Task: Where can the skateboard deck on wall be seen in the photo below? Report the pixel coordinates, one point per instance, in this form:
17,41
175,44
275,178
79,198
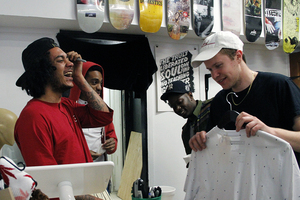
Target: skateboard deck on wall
90,15
151,13
178,18
231,16
203,17
290,25
252,19
272,24
121,13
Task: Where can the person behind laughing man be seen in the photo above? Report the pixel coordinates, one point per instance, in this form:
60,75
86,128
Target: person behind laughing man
266,101
101,140
49,128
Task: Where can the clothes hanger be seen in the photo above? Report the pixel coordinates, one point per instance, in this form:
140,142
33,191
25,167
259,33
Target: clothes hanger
230,115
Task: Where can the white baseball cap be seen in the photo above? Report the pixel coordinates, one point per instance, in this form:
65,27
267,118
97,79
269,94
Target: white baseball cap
214,43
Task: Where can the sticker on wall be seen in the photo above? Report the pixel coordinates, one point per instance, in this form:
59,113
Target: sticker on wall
290,25
272,24
252,19
178,18
231,16
203,17
121,13
151,14
90,15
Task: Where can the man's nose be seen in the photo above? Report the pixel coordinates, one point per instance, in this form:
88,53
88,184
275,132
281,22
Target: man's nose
99,87
69,63
214,74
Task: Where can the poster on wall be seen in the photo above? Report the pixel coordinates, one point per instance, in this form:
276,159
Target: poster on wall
174,63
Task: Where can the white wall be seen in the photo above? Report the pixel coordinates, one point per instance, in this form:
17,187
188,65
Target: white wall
166,166
36,8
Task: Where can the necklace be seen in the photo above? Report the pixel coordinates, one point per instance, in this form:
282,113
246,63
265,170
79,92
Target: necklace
236,104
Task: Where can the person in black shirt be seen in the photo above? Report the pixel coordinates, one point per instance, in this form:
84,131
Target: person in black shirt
266,101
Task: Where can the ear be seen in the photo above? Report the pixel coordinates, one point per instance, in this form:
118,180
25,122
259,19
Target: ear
239,56
190,94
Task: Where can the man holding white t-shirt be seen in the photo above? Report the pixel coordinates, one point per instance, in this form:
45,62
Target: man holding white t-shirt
269,107
266,101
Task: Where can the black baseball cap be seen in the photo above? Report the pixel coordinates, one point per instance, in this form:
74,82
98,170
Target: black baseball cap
32,54
178,87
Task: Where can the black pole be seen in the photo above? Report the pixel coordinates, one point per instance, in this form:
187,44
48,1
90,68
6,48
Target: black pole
206,76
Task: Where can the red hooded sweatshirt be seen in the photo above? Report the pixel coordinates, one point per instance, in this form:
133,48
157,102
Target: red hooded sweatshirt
75,94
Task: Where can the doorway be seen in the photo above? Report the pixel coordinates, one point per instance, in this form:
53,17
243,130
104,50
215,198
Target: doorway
130,114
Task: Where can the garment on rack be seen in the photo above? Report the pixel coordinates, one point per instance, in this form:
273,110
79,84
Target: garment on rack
236,167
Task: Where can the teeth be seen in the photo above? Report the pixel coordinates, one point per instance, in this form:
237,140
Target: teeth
68,74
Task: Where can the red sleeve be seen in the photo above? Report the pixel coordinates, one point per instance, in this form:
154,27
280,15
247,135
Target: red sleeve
100,118
35,133
89,117
110,133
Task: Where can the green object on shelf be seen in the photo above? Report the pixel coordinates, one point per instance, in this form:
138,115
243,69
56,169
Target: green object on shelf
155,198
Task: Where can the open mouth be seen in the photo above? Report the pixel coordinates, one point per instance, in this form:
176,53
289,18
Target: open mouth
68,74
